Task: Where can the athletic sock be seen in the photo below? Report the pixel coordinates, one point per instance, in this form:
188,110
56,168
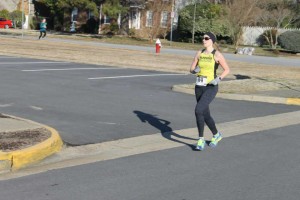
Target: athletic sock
217,135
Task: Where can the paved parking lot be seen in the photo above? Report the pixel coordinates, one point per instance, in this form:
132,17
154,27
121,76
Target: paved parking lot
92,104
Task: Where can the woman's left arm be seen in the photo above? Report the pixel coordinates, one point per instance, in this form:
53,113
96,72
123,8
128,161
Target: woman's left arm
221,60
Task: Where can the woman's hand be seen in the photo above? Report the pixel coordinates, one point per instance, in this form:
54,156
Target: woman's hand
196,70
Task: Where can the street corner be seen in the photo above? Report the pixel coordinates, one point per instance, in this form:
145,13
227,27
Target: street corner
12,160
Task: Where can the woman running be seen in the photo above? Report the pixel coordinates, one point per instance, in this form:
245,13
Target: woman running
205,66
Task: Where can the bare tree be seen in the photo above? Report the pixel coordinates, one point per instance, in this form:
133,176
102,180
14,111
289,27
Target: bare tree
277,14
156,7
240,13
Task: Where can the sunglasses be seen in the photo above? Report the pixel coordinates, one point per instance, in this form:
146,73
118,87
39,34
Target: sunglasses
206,38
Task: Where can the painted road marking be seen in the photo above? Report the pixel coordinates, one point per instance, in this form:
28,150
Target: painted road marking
6,105
13,63
108,123
66,69
134,76
36,108
74,156
293,101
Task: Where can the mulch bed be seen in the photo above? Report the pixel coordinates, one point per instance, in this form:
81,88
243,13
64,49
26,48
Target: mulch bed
12,141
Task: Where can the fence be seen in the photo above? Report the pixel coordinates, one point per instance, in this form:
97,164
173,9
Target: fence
251,34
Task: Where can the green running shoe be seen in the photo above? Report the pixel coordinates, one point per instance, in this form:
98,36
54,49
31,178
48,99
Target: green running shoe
200,145
215,139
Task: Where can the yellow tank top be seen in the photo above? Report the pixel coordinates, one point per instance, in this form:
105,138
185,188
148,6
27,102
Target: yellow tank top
208,65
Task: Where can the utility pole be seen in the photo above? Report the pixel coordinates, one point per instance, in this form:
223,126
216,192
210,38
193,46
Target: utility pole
22,19
194,20
172,21
194,16
29,11
100,18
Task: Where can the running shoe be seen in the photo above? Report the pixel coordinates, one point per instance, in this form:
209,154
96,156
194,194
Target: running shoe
215,139
200,145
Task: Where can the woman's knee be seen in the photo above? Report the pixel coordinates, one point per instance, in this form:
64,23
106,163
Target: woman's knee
199,110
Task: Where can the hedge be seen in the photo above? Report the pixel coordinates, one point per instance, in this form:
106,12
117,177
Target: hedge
290,40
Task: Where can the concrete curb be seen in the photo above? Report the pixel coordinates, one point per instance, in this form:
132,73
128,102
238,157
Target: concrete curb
14,160
243,97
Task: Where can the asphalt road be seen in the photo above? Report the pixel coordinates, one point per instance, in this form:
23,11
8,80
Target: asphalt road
261,165
92,104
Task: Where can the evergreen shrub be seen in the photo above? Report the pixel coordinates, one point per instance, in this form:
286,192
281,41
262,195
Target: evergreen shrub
290,40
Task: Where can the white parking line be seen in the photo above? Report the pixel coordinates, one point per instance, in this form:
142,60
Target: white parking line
65,69
6,105
133,76
13,63
36,108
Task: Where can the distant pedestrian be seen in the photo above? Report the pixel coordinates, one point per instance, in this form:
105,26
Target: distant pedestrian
43,27
205,66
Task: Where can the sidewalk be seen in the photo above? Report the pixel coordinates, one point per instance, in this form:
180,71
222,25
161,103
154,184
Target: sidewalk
27,144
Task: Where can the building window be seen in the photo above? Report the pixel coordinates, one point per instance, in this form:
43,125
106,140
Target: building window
91,14
106,19
74,14
164,19
134,19
149,20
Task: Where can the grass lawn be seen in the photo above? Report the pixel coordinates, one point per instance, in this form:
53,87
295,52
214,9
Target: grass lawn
225,48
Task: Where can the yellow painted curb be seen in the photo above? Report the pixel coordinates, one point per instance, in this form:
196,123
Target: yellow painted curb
293,101
15,160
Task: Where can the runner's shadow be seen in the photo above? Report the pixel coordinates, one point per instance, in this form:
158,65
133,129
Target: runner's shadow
241,77
164,128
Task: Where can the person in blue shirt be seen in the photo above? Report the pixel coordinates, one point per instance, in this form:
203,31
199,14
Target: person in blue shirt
43,27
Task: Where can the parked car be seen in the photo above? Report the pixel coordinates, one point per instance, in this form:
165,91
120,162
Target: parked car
5,23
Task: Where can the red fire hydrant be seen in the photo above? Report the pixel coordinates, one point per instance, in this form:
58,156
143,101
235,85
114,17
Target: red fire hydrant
157,46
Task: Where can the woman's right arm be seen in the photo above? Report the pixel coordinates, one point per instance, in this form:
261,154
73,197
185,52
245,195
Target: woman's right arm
195,62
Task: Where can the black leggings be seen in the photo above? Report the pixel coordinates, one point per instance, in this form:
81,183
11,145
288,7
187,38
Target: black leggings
41,32
204,96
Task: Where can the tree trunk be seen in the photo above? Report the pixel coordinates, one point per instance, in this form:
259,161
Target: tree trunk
267,38
237,38
100,18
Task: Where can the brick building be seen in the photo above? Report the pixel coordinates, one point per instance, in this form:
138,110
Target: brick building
151,19
148,20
